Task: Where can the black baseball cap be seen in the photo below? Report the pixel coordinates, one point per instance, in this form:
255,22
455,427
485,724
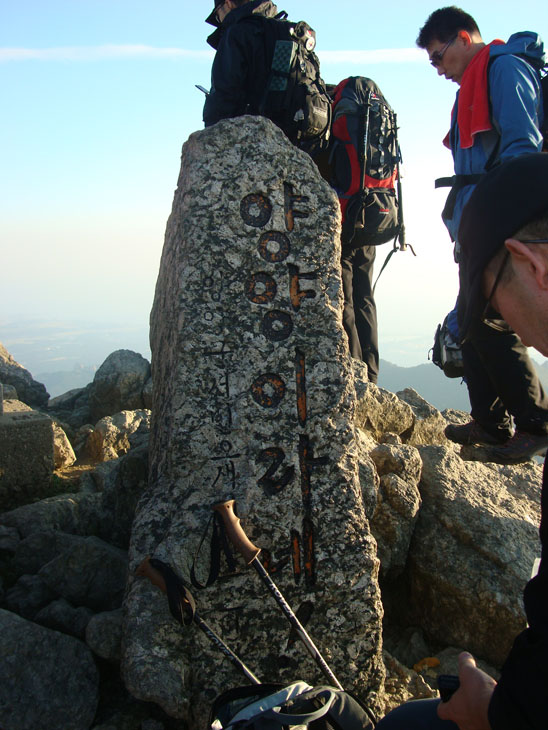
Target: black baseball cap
212,17
504,200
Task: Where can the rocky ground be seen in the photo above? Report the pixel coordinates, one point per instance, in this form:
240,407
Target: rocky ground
447,529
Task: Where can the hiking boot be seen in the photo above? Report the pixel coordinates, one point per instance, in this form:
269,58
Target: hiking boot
521,447
470,433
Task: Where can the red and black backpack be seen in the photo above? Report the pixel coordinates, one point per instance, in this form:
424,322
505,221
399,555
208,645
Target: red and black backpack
364,164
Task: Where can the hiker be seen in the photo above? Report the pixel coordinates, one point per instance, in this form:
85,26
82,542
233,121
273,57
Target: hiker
363,170
240,69
265,65
504,256
360,310
497,116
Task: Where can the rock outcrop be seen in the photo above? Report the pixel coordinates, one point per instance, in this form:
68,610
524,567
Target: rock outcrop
473,550
27,389
26,454
351,491
118,385
55,670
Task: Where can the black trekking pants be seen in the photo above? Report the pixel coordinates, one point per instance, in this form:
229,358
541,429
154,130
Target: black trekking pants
502,382
416,715
360,311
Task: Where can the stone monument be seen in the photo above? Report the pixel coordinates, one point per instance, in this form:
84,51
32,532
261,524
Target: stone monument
254,400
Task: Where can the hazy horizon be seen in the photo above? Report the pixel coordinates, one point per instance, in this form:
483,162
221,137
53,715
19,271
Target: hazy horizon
99,98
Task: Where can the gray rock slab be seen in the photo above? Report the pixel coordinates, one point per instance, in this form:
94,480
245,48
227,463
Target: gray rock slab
29,594
60,615
91,573
254,399
48,680
26,456
473,549
104,634
118,384
12,373
74,513
429,423
40,548
379,411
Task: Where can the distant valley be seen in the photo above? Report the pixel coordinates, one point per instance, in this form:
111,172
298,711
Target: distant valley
65,355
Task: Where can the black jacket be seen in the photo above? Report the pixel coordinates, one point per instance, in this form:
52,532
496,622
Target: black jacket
242,63
519,701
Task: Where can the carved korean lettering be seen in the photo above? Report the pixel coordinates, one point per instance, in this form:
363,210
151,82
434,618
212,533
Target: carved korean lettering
268,481
256,210
277,326
296,293
222,351
296,555
307,463
289,202
300,378
309,553
268,390
261,288
268,562
274,247
226,473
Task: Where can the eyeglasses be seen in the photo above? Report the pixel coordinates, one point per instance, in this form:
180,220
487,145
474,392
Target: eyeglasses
489,314
437,56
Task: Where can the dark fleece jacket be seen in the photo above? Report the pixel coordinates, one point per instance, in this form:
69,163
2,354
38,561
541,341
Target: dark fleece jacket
242,63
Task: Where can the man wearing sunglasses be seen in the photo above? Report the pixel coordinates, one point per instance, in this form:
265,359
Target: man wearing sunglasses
497,116
504,258
242,61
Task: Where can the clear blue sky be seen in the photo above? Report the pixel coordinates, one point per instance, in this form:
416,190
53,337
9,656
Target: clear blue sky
98,97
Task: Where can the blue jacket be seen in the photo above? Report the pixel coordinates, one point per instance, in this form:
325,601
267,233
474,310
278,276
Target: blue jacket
516,113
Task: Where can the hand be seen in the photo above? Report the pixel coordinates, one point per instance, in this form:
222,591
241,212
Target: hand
467,708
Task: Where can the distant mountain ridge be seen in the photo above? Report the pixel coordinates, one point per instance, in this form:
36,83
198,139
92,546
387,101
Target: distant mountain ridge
434,386
65,355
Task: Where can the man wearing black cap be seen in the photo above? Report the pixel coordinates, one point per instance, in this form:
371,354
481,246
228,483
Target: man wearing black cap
504,239
243,58
497,116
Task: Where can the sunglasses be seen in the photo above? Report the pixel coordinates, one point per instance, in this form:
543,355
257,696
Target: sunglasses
437,56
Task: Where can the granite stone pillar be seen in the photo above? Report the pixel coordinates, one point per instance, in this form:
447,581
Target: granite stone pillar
254,400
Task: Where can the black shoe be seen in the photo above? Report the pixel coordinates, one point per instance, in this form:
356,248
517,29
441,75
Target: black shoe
521,447
470,433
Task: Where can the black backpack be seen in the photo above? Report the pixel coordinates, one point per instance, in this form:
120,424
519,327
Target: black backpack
296,99
446,351
318,708
364,164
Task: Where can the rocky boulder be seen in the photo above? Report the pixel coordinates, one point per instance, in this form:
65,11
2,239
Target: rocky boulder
118,384
48,680
473,550
110,437
28,390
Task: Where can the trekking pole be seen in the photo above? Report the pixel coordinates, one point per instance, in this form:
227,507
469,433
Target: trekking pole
250,554
183,608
